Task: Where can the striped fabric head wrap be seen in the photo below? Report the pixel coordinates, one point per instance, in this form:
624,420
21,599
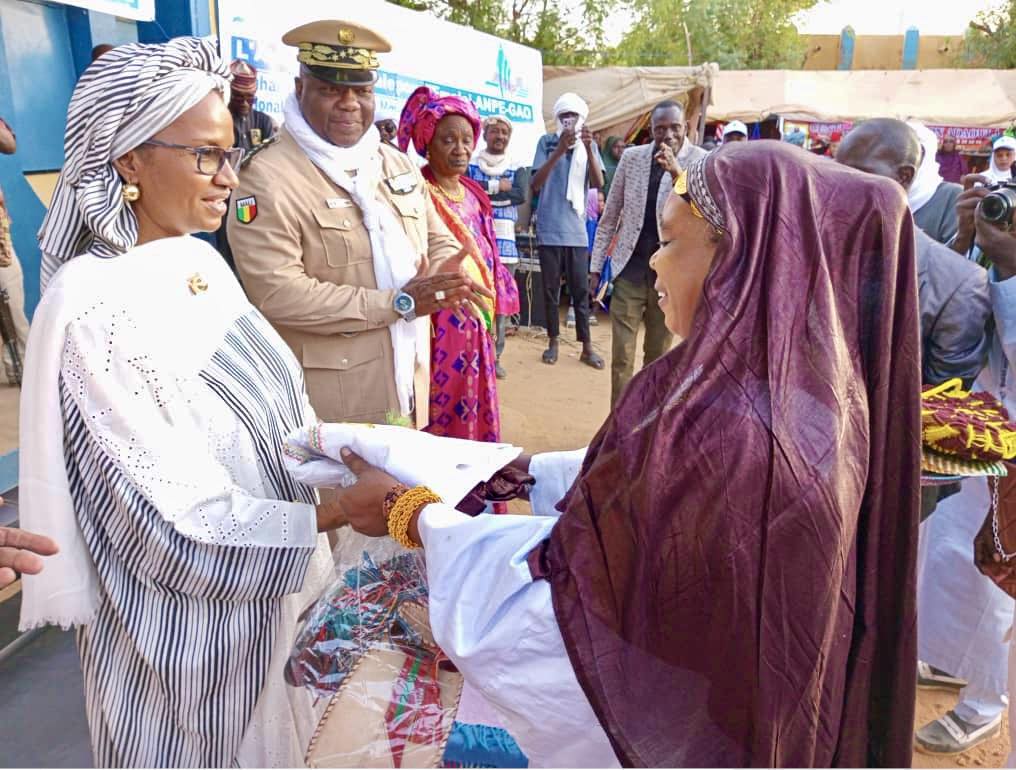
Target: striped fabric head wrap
123,99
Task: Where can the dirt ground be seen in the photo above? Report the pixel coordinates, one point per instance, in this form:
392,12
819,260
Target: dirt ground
546,408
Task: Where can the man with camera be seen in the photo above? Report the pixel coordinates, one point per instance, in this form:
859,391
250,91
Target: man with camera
964,620
566,165
990,211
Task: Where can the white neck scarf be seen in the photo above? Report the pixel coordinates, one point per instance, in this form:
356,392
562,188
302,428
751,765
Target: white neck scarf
927,179
395,260
580,158
491,164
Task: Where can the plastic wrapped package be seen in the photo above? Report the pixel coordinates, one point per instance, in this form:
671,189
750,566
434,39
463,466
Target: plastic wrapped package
393,695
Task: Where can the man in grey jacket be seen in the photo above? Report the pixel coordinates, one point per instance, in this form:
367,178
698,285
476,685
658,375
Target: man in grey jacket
642,182
953,291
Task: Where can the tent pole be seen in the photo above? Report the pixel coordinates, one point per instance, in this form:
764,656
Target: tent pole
706,95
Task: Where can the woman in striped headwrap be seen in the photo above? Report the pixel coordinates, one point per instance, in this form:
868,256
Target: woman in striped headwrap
155,404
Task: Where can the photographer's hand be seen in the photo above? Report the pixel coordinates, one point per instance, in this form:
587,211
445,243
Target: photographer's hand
966,206
998,245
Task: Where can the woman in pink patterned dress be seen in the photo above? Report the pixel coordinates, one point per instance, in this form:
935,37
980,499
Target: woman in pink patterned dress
463,391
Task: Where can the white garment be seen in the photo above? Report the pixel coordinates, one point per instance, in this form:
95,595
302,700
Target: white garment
193,491
491,164
451,467
196,542
927,179
963,618
1001,174
395,261
577,171
499,628
555,472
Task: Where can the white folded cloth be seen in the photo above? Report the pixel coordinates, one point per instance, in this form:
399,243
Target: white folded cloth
451,467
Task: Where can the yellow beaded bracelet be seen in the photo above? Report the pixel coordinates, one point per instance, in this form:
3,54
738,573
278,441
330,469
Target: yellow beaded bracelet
408,504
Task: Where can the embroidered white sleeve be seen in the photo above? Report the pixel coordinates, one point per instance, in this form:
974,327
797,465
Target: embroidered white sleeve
157,430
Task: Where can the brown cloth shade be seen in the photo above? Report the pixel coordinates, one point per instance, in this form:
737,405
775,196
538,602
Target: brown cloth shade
734,570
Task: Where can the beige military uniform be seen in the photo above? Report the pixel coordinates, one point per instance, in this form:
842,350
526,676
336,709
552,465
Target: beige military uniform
305,260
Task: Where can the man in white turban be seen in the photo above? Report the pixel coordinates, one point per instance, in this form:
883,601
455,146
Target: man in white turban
566,165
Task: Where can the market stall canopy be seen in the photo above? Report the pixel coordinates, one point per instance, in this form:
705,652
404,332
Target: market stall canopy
939,96
620,96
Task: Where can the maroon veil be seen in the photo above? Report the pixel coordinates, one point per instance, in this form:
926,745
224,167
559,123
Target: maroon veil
734,571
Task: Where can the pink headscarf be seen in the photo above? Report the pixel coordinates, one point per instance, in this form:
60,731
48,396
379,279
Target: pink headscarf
422,113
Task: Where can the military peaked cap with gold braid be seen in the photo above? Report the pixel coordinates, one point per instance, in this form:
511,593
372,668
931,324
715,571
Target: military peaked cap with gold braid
338,51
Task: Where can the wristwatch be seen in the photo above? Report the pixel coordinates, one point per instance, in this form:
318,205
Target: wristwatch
405,306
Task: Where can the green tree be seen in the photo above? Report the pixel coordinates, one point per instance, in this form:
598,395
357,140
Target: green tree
737,34
566,31
991,39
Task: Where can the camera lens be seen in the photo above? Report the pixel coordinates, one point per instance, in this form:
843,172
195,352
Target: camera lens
998,206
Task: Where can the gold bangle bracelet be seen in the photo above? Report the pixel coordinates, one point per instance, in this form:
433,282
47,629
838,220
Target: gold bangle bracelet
408,504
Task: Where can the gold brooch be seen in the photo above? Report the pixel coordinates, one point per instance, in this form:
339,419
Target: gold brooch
196,284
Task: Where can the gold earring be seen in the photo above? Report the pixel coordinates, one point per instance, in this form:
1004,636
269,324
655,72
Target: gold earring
131,192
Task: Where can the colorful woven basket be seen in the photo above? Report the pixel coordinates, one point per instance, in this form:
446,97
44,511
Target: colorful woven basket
965,425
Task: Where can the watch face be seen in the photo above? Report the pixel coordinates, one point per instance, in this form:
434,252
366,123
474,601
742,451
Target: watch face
403,303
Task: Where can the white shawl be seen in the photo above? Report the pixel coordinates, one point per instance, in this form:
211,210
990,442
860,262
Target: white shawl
395,260
927,179
580,158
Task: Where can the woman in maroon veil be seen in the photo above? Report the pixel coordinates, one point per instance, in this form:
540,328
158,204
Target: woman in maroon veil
730,581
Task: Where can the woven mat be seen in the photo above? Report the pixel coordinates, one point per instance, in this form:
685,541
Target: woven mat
933,462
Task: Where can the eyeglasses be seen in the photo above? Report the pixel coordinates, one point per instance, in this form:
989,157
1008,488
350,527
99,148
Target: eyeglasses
210,159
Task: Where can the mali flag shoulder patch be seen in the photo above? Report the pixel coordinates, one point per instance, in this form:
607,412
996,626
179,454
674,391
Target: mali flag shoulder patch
246,209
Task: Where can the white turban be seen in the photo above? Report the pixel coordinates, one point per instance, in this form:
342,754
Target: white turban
1001,174
927,179
123,99
569,102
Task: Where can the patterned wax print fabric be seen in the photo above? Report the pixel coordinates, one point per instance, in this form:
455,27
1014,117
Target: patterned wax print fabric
463,389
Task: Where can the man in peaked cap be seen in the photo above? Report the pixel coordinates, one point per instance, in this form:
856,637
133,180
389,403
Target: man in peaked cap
337,242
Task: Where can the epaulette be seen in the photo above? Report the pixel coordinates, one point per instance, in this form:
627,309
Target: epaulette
255,150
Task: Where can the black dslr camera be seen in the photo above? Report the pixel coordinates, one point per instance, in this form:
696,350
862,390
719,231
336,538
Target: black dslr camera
999,205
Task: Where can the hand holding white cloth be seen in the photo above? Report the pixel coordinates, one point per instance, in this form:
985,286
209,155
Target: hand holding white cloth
449,466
